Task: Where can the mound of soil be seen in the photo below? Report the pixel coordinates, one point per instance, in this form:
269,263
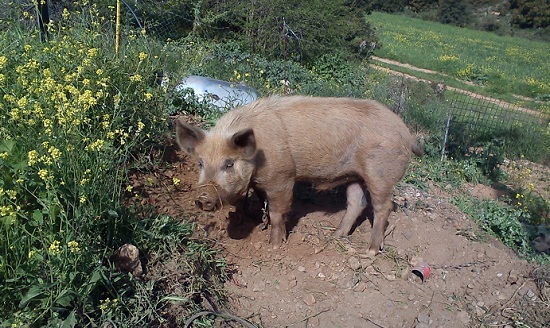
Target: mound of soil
315,280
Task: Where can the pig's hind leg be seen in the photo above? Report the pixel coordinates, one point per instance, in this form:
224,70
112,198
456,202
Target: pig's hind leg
357,202
381,205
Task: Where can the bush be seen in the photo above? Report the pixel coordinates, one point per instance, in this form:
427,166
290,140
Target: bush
73,115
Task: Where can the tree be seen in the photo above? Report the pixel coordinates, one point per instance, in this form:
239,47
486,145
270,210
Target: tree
455,12
296,29
530,13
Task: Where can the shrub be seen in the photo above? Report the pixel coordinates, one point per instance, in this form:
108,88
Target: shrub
73,115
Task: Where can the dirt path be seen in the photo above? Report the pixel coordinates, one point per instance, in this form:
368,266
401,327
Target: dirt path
468,93
315,280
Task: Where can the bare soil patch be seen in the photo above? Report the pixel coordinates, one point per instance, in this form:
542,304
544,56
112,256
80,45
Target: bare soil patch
315,280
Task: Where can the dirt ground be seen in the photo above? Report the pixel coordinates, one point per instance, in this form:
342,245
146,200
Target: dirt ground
315,280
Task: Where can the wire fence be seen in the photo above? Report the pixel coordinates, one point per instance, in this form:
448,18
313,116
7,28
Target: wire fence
480,112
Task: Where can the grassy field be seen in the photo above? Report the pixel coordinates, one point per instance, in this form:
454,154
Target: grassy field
502,65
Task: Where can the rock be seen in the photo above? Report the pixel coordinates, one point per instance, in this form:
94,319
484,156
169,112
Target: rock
463,317
258,286
354,263
309,299
360,287
513,277
301,269
126,259
423,317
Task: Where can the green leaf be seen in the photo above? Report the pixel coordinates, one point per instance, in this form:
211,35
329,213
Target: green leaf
7,145
38,218
33,292
64,298
70,321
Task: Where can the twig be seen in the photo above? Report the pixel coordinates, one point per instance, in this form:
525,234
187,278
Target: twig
374,323
224,315
314,315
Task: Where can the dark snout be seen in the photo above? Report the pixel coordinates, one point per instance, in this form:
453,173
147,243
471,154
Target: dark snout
206,202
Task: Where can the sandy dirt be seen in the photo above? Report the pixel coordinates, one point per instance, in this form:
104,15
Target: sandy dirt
315,280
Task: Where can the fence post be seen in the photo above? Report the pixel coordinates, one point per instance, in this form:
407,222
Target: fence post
43,18
444,145
117,28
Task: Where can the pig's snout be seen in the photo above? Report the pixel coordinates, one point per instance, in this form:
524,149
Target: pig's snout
206,201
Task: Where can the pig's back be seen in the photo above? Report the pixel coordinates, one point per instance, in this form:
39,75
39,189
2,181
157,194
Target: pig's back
320,137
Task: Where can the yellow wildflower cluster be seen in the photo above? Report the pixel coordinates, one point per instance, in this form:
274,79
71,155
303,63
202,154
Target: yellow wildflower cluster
73,246
107,304
55,247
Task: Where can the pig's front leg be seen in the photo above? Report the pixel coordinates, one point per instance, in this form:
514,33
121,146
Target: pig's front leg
279,206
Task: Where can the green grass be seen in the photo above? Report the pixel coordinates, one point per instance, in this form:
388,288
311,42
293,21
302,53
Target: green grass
502,65
73,117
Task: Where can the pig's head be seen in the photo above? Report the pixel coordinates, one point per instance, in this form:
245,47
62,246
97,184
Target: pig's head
226,162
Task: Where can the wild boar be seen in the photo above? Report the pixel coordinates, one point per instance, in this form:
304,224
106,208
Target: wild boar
274,142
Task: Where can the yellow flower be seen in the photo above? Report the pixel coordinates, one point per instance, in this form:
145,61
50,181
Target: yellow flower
82,199
142,56
31,254
140,126
43,174
136,78
66,14
33,157
148,96
176,181
96,145
73,246
4,155
3,61
54,153
129,188
54,248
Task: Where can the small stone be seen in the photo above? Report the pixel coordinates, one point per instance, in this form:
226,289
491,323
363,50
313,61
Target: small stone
292,283
309,299
479,311
259,286
530,294
390,277
354,263
470,286
463,317
411,297
360,287
258,245
423,317
513,277
321,275
301,269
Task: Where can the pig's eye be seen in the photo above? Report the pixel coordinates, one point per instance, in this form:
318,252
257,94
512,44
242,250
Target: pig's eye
229,164
201,164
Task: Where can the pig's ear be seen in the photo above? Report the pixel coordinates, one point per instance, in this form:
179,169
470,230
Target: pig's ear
188,136
244,141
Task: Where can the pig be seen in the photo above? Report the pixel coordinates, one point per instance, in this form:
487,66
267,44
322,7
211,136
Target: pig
274,142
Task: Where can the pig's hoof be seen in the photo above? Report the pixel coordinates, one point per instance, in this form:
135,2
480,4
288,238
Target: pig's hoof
371,253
